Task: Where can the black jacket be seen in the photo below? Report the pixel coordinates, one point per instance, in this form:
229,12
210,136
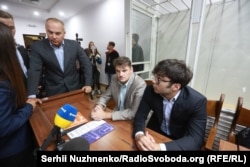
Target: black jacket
187,120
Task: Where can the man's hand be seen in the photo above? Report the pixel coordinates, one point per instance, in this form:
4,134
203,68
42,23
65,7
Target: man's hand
34,102
98,113
146,143
87,89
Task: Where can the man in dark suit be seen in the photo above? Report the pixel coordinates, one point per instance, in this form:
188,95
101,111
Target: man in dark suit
22,55
137,53
179,111
111,55
59,57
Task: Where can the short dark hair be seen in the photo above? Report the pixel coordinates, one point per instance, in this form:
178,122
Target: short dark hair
6,15
135,37
112,43
121,61
175,70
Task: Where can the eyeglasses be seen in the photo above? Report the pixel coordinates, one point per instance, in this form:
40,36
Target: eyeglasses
158,80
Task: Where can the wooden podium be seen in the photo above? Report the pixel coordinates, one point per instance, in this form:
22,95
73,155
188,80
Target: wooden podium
42,122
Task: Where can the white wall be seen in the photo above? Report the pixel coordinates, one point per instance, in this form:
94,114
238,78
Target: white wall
101,24
24,26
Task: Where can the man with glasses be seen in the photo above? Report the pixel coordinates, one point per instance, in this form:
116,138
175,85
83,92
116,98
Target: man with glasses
179,111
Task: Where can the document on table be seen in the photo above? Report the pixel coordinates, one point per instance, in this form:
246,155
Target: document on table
92,130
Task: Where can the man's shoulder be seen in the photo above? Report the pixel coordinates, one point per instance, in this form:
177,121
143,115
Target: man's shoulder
189,91
19,46
138,46
21,49
150,96
138,79
114,53
40,43
69,43
69,40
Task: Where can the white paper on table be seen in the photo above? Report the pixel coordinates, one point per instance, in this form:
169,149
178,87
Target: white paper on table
85,128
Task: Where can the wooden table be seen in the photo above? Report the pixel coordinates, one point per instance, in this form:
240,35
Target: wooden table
42,121
228,146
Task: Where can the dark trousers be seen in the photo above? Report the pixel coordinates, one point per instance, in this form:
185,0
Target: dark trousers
96,78
109,79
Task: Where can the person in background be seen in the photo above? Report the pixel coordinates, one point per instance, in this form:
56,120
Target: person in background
111,55
126,90
16,140
96,61
59,57
137,53
179,111
22,55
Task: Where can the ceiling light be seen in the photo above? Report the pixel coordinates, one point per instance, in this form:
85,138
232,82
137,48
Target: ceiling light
61,13
36,13
4,7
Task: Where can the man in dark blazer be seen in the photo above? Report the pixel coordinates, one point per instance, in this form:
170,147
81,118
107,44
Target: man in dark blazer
22,55
179,112
25,56
137,53
59,57
111,55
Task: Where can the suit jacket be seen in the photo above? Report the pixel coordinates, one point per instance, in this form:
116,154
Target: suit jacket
135,89
109,65
56,80
187,120
25,57
15,132
137,56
